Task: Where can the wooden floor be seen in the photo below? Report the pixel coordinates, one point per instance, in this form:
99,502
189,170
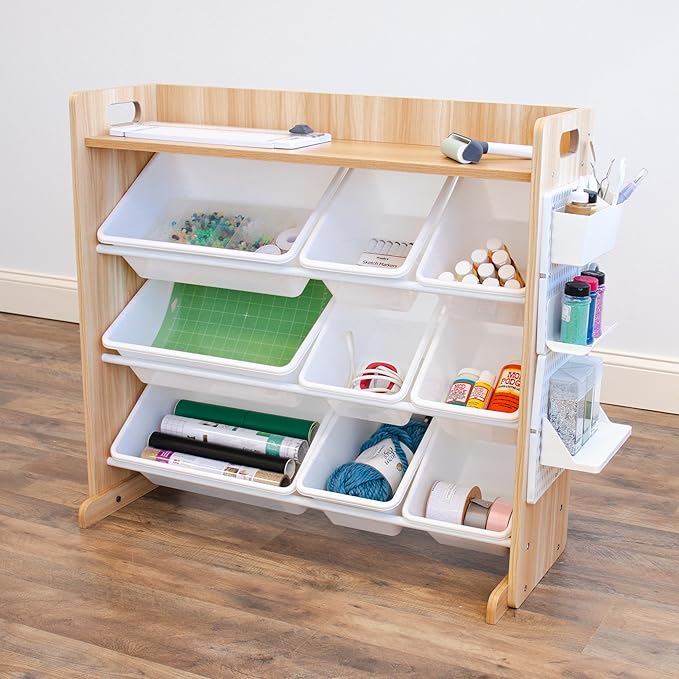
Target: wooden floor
177,585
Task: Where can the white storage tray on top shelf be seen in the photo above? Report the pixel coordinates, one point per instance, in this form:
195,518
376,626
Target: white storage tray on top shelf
132,335
338,444
277,196
156,402
579,239
373,204
468,455
478,209
470,335
396,337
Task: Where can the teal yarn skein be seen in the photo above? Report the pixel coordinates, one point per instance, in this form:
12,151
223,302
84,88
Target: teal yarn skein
362,480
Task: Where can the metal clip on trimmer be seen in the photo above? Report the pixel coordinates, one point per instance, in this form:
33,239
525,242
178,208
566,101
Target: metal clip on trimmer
465,150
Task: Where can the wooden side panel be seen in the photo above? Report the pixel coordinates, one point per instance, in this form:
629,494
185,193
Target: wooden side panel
539,531
357,117
105,283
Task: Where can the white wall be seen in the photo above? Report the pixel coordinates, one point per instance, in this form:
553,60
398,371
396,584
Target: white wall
624,62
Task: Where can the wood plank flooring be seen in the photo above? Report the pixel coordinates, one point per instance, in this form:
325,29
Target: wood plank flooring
177,585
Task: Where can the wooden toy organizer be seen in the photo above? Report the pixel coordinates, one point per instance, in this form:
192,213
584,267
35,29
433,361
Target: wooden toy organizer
369,132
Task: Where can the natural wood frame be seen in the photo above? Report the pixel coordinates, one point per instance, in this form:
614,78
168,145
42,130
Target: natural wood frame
374,132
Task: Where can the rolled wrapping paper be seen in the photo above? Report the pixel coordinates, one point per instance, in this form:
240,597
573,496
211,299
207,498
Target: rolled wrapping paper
237,471
448,502
476,515
286,239
499,515
248,419
237,438
213,452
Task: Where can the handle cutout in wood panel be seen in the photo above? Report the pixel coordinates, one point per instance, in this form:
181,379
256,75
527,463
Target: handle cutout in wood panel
569,142
123,112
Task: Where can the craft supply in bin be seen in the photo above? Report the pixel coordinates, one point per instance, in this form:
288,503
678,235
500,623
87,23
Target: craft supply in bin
220,329
249,419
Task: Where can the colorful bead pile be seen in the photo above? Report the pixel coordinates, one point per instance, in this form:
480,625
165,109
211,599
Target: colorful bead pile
216,230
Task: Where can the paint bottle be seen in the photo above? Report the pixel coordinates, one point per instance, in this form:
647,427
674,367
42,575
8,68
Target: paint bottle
462,268
479,257
493,245
598,312
579,203
491,282
486,270
500,258
506,273
505,398
593,294
482,390
462,386
575,313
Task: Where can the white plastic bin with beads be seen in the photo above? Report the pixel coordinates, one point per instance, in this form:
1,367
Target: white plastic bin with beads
277,196
338,444
396,337
468,455
156,402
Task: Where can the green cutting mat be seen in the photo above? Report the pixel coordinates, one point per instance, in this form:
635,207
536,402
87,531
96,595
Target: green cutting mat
243,326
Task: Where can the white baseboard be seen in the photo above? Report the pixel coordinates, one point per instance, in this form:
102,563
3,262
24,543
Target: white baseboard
640,381
39,295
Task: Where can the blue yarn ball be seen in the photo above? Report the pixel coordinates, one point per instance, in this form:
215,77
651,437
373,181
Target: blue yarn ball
362,480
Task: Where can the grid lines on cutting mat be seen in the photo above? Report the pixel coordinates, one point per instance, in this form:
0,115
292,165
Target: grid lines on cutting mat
237,325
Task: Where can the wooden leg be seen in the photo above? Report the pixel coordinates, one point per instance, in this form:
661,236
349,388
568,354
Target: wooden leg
100,506
497,601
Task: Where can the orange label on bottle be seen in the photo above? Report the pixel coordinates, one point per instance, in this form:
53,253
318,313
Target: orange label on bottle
508,390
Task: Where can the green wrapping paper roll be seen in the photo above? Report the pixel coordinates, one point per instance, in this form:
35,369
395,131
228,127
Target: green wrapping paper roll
248,419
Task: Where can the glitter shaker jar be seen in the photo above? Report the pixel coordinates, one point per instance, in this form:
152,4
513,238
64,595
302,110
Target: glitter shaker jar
575,313
593,294
598,312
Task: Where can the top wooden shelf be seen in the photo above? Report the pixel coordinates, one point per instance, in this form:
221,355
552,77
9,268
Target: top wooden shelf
359,154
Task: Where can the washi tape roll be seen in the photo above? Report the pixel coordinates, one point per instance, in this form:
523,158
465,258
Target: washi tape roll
448,502
499,515
476,515
249,419
286,239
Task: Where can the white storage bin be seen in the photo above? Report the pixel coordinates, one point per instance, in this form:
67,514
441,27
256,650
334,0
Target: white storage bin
339,444
132,335
478,209
579,239
285,392
472,456
483,338
395,337
372,204
157,402
173,186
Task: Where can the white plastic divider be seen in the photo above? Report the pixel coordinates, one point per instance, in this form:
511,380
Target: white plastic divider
374,204
339,444
578,239
469,335
133,332
396,337
593,456
156,402
278,196
477,210
473,455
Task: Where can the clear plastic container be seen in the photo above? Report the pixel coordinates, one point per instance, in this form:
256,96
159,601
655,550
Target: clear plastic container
571,399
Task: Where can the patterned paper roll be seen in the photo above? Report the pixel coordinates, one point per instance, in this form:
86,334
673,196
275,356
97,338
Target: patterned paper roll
202,464
499,515
249,419
448,502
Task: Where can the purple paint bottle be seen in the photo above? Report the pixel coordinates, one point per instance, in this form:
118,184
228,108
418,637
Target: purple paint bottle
598,311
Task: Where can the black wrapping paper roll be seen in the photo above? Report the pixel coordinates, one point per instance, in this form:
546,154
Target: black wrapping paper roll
213,452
